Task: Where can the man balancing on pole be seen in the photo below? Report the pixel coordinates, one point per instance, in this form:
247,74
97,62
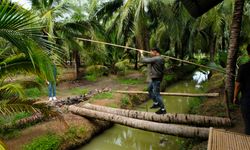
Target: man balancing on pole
156,74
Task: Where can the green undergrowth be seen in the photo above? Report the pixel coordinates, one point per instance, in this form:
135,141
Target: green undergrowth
112,105
194,144
91,77
133,100
194,105
212,106
104,95
52,141
34,93
45,142
130,81
208,107
78,91
12,132
125,101
13,118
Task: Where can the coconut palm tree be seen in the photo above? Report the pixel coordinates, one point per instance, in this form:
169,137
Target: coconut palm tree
51,12
27,52
233,47
126,21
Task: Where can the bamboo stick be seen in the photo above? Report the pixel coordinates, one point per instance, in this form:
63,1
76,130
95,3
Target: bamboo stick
172,94
136,49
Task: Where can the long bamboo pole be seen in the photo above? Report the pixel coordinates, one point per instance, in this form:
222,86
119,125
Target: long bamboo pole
172,94
171,129
136,49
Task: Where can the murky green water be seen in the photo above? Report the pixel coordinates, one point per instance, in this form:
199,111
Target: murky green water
124,138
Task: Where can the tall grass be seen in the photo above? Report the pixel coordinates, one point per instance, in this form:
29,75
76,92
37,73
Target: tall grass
105,95
45,142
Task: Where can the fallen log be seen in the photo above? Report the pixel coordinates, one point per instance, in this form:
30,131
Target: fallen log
196,120
172,94
177,130
22,122
74,100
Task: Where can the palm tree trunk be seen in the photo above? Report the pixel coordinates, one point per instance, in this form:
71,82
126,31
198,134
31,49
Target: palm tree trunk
70,59
233,47
23,122
178,130
77,64
212,47
223,38
176,48
136,60
168,118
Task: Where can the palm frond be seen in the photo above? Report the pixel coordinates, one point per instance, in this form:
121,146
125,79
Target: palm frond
21,28
16,63
126,17
11,90
16,105
107,9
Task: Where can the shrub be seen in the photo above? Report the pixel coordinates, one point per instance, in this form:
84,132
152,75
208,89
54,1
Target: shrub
73,132
169,77
45,142
97,70
105,95
194,105
11,132
13,118
122,66
125,101
78,91
33,92
91,77
130,81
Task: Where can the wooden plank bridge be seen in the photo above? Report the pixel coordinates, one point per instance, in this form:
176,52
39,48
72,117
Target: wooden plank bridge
224,140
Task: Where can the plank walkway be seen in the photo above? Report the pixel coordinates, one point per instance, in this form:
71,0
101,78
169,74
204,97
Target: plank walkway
224,140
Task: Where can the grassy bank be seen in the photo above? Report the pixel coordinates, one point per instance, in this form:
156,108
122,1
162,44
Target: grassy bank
212,107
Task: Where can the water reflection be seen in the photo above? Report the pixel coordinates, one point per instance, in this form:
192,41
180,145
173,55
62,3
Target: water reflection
124,138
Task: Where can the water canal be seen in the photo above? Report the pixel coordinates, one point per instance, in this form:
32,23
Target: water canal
125,138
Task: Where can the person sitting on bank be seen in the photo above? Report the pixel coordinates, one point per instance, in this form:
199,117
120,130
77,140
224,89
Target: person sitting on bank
156,74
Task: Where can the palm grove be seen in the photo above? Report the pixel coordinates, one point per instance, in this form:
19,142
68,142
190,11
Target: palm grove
52,31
